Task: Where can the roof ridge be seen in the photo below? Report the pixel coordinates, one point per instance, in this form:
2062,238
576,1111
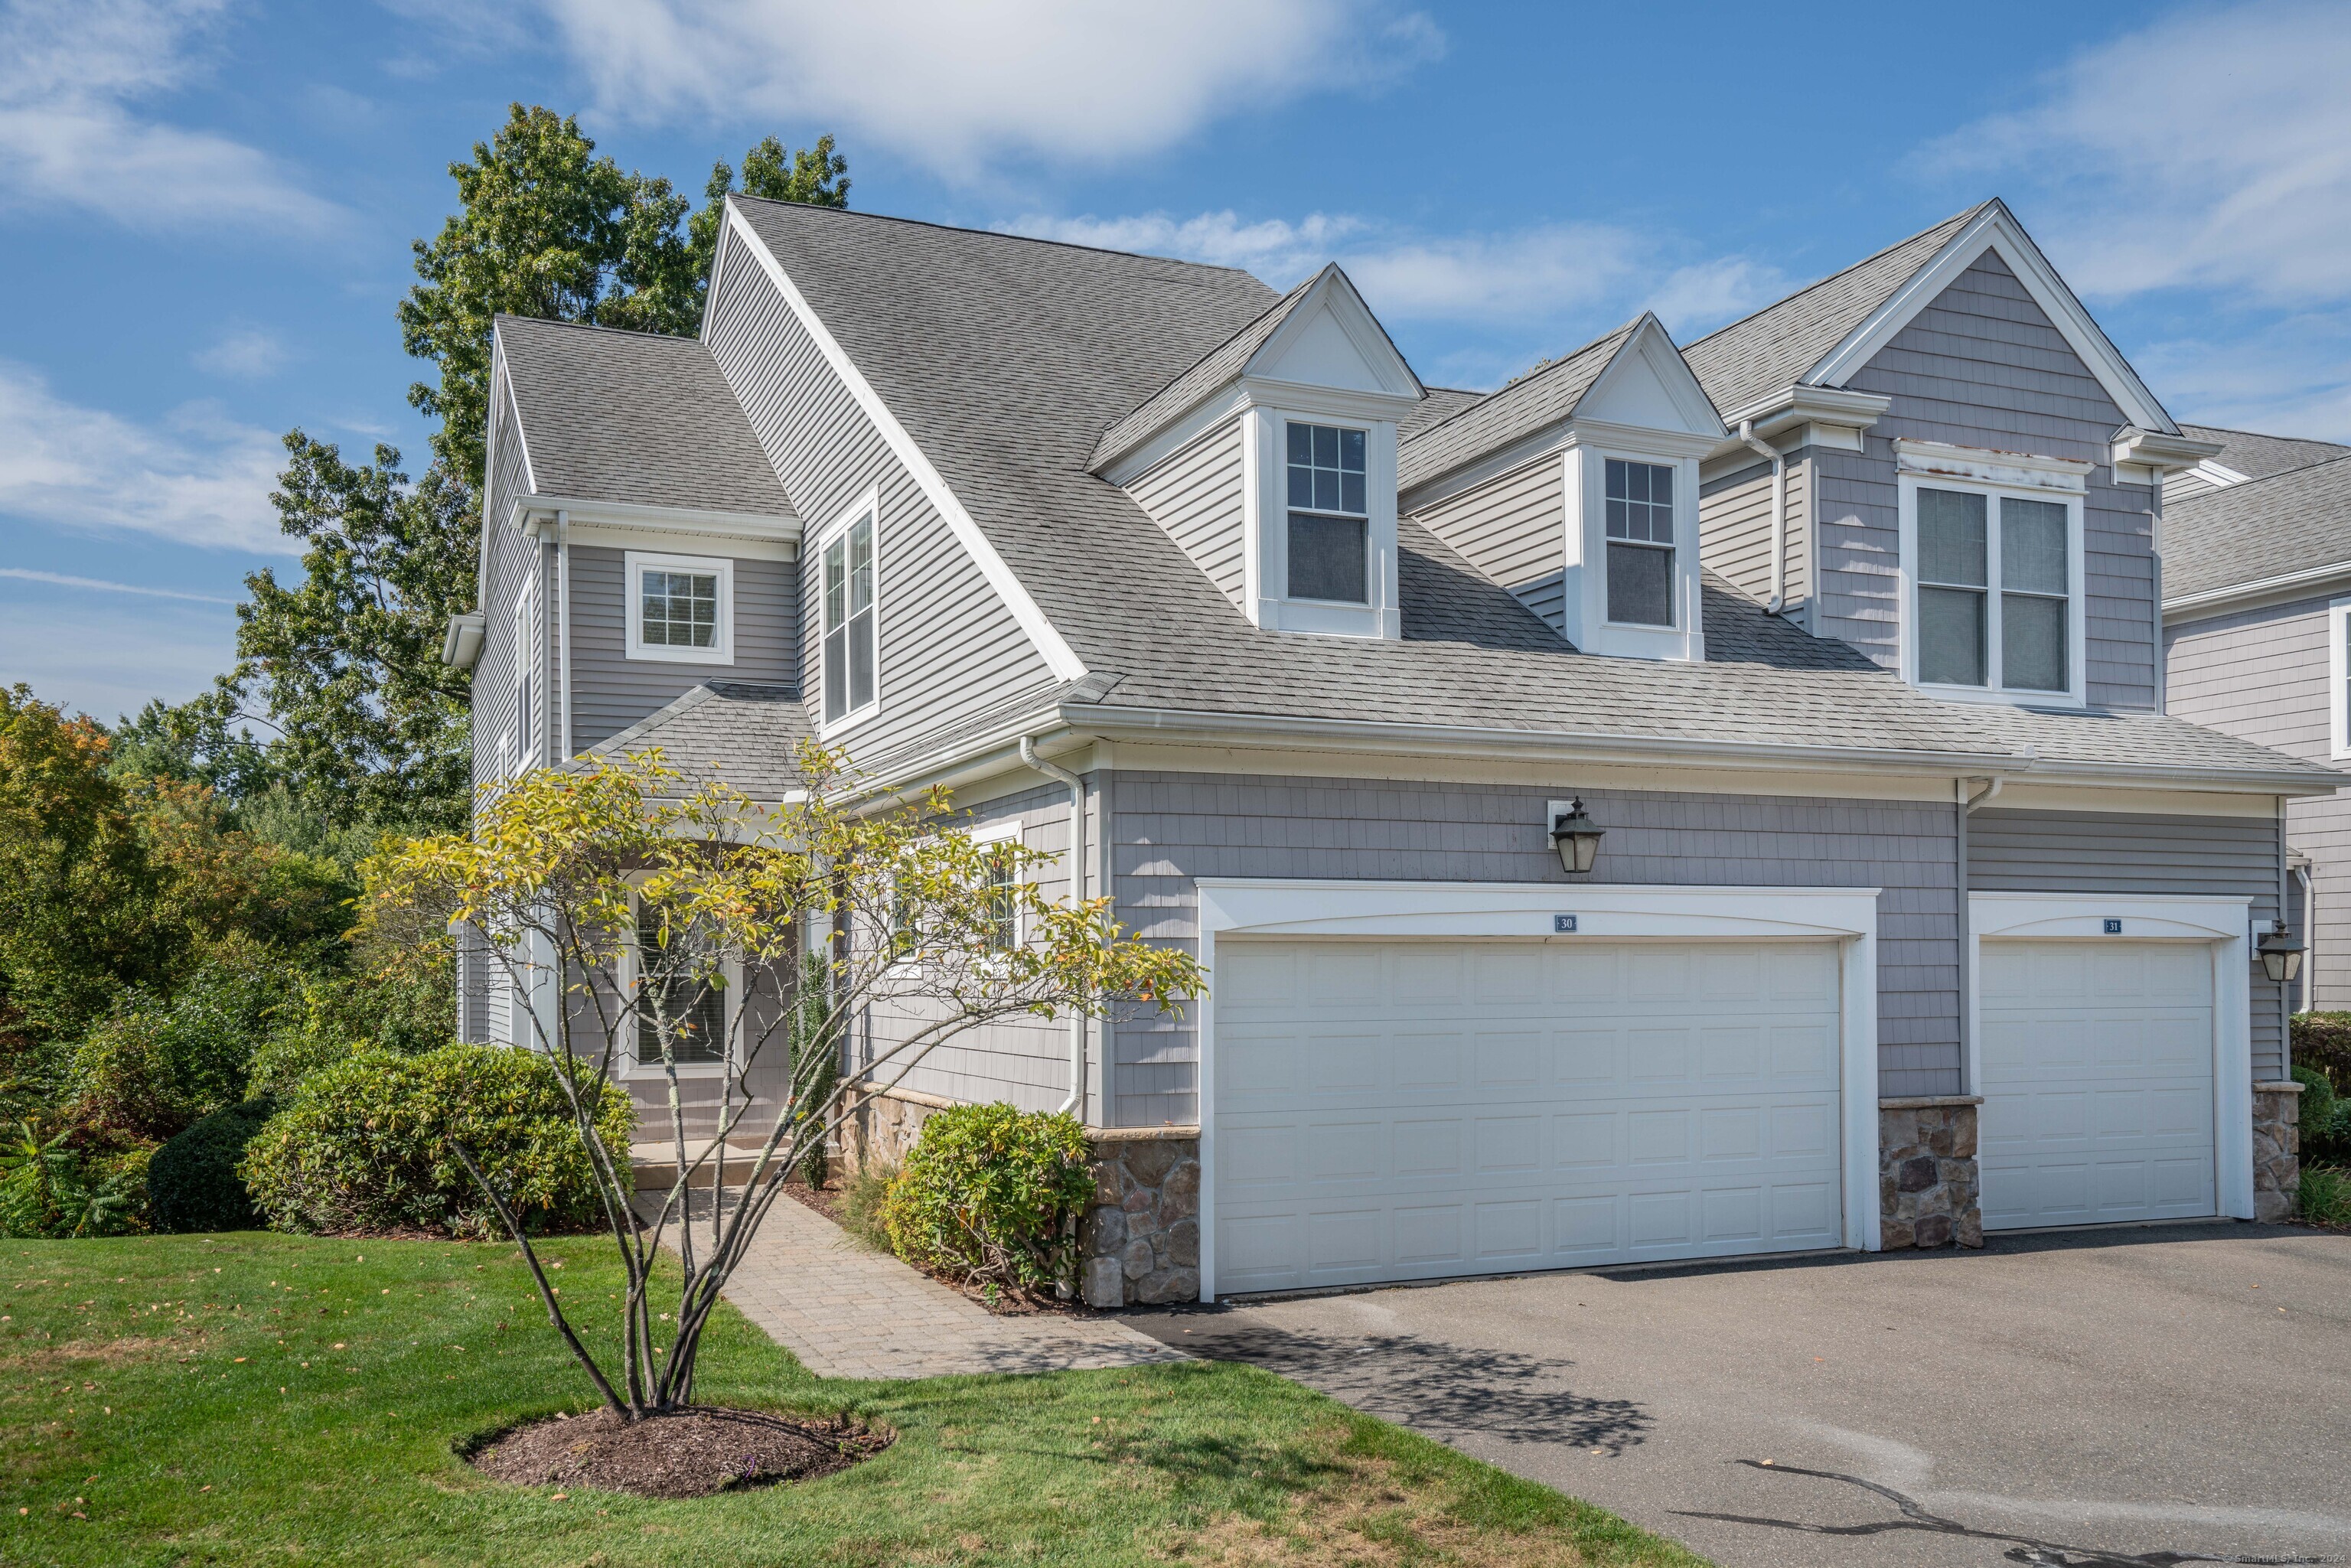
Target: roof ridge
591,327
1958,219
990,233
2266,435
2241,486
1529,379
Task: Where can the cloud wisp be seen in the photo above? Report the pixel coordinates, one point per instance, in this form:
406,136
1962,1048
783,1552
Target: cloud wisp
100,585
242,353
73,75
196,479
959,87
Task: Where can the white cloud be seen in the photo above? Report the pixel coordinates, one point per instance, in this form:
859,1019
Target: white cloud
2211,150
196,478
1278,251
2290,376
71,72
248,353
956,84
100,585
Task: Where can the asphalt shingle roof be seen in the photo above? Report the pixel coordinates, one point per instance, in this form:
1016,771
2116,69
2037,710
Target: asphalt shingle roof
999,355
1778,345
1540,398
2291,521
634,417
1220,365
2257,456
743,732
1441,404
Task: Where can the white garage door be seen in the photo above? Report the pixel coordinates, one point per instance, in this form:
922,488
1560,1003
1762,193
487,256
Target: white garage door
1408,1111
2097,1082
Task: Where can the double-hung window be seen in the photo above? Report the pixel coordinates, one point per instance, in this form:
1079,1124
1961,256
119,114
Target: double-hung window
2338,679
673,994
1995,590
1640,527
681,608
526,675
849,653
1330,515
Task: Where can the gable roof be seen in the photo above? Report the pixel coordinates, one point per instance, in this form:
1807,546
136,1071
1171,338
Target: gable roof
1540,398
2290,524
1827,334
1779,345
1441,404
1001,356
746,733
2257,456
1220,365
634,418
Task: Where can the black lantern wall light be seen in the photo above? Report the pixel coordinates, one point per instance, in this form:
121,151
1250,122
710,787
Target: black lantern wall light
2281,954
1574,835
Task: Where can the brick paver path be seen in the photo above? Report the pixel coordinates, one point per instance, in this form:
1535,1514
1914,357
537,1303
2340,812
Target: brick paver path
847,1312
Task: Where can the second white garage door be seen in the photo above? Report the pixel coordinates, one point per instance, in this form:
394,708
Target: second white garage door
2097,1082
1413,1110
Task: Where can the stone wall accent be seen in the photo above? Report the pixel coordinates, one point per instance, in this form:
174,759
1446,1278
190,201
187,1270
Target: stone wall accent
2277,1150
884,1126
1139,1244
1928,1193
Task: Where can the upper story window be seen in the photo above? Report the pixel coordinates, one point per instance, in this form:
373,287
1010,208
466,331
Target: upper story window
681,608
1640,527
1996,579
851,654
526,675
1330,515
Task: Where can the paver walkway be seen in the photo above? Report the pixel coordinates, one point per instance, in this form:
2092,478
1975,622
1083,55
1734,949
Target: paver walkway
847,1312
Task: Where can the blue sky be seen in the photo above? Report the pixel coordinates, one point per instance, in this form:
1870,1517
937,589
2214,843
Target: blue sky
207,205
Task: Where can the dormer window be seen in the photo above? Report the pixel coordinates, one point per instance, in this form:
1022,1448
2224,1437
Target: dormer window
1640,522
1330,515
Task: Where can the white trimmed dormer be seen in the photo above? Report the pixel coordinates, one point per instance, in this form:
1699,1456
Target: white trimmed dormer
1273,464
1576,488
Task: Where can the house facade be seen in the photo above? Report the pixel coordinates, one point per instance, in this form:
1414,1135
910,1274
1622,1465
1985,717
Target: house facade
2257,617
1691,802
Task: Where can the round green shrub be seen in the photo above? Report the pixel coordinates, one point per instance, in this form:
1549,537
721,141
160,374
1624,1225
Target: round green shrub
191,1181
365,1146
992,1195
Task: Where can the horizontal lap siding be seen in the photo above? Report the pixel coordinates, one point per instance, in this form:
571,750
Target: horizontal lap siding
1734,530
2125,854
1513,529
1983,366
1196,496
1169,829
950,647
611,691
2262,675
510,560
1025,1061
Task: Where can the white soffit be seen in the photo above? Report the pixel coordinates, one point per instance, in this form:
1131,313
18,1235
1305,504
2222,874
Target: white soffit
1997,230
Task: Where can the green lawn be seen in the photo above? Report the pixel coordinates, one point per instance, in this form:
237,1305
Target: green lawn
182,1399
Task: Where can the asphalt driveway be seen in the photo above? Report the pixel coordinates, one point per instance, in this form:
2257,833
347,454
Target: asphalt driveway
2137,1397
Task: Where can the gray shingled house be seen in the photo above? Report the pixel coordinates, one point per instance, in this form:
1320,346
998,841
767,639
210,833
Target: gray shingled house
1687,803
2256,614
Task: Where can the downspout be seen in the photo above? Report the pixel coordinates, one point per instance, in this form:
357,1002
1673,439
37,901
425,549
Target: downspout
2309,931
1778,515
1077,895
563,629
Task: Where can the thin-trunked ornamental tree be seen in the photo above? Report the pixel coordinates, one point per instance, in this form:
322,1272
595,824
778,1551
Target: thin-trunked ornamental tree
695,928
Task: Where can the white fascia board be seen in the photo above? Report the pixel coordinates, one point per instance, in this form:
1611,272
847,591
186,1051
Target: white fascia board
1650,343
1238,396
1996,229
2249,595
1335,294
1801,404
1058,657
531,513
1210,414
501,386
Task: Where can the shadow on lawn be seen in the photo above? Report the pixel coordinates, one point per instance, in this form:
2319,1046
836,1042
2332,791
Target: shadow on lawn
1426,1385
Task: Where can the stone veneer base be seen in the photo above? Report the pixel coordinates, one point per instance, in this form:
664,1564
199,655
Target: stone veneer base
1928,1191
2277,1150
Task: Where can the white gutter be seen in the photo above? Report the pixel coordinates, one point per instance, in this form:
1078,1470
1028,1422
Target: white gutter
1991,792
1778,459
1077,895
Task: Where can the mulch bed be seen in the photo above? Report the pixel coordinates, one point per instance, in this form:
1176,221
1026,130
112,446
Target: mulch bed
694,1452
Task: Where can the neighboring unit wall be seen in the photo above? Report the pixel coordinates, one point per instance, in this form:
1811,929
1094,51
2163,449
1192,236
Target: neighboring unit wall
950,648
1735,531
1983,366
1196,496
511,558
1514,529
2263,675
611,691
2120,854
1169,828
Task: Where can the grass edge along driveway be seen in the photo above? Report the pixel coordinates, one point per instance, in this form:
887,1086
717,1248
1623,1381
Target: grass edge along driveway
233,1398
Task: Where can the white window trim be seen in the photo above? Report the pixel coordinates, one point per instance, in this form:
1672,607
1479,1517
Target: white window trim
2338,671
1244,907
636,563
2077,617
624,1048
1007,832
1583,591
867,506
522,717
1265,468
2222,923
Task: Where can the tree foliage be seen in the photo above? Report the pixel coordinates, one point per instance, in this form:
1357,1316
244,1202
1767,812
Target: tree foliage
575,879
